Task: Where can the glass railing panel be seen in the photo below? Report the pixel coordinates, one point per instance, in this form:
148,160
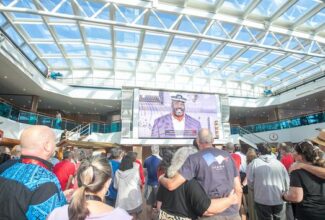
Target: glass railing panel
5,110
27,117
14,114
94,127
45,120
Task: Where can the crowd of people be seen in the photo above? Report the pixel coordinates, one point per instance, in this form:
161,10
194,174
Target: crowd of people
200,181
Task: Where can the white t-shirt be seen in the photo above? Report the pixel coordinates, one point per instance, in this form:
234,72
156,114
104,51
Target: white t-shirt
179,127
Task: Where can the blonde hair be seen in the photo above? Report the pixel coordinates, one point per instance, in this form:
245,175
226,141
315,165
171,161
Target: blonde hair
178,159
92,175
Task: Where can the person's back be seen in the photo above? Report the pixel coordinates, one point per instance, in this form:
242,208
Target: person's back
313,204
65,170
151,164
270,180
28,188
94,176
215,170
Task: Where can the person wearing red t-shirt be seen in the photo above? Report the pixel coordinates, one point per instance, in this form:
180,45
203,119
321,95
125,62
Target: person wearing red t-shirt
65,170
231,148
286,155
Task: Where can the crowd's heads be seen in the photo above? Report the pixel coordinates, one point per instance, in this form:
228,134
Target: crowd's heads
264,149
250,155
93,176
116,153
205,137
155,149
285,148
67,155
38,140
179,159
133,155
230,147
126,163
310,153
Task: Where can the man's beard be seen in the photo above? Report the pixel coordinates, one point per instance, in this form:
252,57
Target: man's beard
179,112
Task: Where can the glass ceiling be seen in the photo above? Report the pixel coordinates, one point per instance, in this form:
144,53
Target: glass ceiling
270,44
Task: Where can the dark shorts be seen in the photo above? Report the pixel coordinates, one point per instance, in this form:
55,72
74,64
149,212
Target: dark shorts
150,194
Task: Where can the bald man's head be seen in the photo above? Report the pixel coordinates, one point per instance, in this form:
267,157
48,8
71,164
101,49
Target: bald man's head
38,141
205,138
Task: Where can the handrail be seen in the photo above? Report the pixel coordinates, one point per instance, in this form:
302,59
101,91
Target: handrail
250,133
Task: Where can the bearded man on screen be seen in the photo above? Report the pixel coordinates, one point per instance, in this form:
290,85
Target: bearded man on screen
177,123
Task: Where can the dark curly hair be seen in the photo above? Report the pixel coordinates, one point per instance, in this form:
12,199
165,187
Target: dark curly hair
311,153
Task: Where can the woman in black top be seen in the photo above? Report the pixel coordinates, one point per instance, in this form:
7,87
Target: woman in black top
189,200
306,189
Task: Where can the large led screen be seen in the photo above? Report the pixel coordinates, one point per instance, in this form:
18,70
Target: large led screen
165,114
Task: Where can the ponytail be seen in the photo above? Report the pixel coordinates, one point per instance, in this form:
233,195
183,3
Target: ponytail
77,209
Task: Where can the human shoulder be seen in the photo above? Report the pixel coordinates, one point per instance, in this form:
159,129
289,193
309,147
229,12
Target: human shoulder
59,213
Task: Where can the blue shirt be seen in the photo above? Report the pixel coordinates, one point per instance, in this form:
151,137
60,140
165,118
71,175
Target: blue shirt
151,164
112,192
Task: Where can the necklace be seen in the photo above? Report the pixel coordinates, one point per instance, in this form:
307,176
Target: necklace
93,197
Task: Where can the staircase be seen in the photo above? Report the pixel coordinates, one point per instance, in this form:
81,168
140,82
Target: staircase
249,137
79,133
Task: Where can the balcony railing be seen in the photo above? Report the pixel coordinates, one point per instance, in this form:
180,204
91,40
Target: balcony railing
14,113
293,122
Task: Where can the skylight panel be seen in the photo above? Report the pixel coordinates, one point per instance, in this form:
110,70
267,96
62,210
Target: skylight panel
147,66
97,50
181,44
298,10
301,66
129,38
48,48
237,4
167,19
269,58
74,49
2,19
28,4
57,63
155,41
40,66
80,63
254,68
66,8
125,65
250,54
128,53
127,14
215,63
29,52
102,64
316,20
286,62
90,7
50,4
14,36
216,31
283,75
196,60
229,51
38,31
206,47
174,57
268,7
98,34
192,24
168,68
67,32
235,66
151,55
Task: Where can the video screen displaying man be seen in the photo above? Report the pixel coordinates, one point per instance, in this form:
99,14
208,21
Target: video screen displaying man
166,114
177,123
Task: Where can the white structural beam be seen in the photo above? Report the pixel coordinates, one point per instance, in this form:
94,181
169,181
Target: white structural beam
282,10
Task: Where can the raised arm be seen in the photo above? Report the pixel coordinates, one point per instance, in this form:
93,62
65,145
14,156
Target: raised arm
172,183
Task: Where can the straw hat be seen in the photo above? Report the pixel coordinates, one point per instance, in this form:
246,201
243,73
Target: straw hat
320,139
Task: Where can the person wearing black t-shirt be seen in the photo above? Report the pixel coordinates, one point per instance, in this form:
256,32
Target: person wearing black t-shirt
306,189
189,200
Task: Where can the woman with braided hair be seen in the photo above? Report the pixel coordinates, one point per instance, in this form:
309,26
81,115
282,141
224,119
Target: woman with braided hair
94,177
306,189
